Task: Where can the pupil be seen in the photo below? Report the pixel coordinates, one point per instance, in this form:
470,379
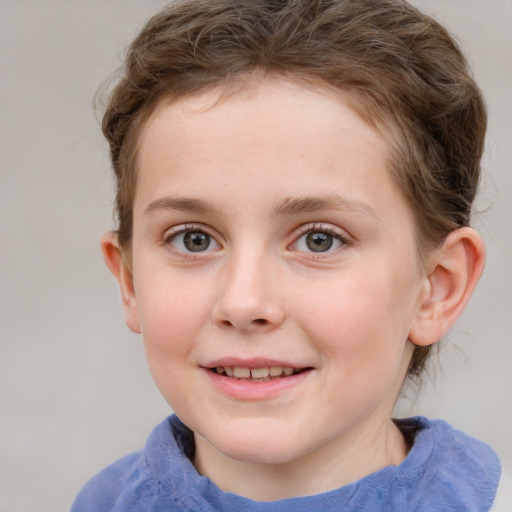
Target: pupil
319,242
195,241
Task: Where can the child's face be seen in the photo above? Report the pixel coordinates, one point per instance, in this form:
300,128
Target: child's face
268,234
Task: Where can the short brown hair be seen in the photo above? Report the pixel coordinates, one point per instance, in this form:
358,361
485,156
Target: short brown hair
396,67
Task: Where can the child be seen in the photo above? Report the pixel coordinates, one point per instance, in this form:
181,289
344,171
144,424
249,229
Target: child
294,188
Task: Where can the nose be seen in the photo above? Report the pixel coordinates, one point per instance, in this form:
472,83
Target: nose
250,296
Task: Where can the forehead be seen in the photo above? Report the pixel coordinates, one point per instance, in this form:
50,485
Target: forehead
299,121
278,139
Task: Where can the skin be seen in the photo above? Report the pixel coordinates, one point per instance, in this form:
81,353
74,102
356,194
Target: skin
257,173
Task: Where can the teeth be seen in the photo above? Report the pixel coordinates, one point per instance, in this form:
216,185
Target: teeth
241,373
260,373
256,374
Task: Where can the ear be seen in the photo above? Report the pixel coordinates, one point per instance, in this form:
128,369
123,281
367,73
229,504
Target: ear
455,269
116,262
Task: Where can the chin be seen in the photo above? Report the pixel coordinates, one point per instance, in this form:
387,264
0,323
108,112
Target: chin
270,449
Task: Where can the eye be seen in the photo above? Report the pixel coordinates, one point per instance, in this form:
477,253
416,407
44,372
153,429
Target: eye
319,241
193,240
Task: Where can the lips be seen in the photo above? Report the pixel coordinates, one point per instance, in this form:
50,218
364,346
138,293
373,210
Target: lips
261,374
249,380
254,369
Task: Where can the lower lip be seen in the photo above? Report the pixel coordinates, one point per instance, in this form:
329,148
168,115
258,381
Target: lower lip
253,390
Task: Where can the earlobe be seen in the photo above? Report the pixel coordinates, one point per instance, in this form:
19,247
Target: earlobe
116,262
455,269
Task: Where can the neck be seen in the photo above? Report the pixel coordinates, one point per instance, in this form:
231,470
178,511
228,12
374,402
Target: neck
357,454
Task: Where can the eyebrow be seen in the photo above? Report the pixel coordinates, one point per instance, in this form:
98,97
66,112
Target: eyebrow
287,206
313,204
181,204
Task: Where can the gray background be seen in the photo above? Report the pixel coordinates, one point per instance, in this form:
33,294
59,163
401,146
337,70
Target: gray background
74,390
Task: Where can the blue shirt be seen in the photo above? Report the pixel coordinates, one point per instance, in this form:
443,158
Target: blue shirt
445,470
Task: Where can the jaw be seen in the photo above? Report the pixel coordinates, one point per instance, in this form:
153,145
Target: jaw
268,465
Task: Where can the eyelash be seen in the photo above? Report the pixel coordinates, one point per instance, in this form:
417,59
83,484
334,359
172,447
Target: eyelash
169,237
327,229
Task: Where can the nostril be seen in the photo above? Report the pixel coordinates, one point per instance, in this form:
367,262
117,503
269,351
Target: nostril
256,321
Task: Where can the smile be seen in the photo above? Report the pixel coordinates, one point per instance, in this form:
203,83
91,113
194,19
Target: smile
263,374
255,379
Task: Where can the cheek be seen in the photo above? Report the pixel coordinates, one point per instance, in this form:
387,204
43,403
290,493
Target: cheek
360,319
170,312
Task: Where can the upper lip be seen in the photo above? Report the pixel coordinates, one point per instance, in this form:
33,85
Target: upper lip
253,362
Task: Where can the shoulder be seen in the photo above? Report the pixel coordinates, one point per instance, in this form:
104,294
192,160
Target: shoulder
102,492
133,482
503,500
448,468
